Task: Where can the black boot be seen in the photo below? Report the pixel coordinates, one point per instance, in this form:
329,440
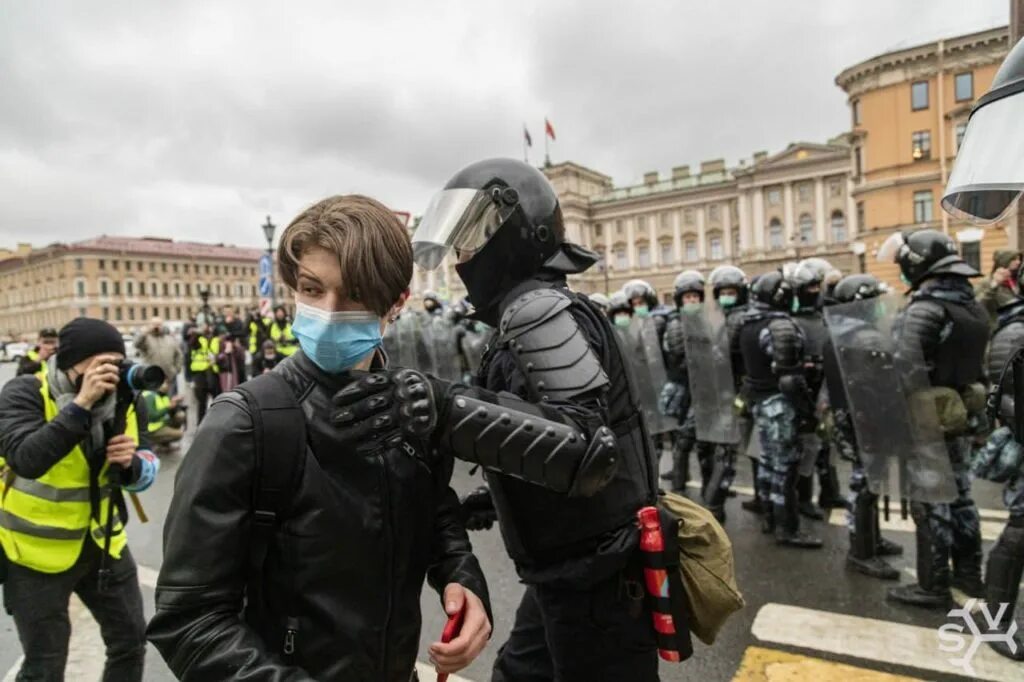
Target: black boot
884,547
805,491
1002,584
756,505
829,497
862,556
716,490
706,460
681,464
787,527
932,587
967,555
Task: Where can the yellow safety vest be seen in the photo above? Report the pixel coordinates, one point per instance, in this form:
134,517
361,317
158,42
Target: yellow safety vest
162,402
254,334
201,356
32,355
283,339
43,521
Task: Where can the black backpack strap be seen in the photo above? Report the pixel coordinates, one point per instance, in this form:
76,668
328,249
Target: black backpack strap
279,432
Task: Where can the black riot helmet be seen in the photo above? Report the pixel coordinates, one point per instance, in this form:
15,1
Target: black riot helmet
922,254
618,303
638,288
808,278
688,281
431,301
502,219
857,288
600,300
729,276
988,176
773,290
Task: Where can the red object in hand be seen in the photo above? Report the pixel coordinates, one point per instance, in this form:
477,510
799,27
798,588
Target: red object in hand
451,631
656,579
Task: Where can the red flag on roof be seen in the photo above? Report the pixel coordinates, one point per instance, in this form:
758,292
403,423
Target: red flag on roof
549,130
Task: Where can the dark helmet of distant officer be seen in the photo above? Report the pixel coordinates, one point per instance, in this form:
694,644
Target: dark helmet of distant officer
773,290
638,288
619,309
808,277
431,301
600,300
858,287
687,282
729,277
922,254
988,176
502,219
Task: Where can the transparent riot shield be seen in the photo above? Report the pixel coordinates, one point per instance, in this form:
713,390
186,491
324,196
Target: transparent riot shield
412,330
709,367
899,439
474,343
641,349
443,349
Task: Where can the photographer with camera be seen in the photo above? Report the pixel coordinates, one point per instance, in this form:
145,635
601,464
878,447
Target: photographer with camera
61,513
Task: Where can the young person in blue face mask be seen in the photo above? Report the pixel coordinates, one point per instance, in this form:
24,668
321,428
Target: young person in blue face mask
367,512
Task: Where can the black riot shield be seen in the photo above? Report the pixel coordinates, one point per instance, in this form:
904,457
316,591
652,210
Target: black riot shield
641,348
899,440
710,371
443,351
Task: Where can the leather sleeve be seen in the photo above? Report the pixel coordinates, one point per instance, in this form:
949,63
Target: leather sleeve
198,628
674,344
30,444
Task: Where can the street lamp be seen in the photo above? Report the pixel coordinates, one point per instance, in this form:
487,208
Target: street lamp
603,265
858,249
268,232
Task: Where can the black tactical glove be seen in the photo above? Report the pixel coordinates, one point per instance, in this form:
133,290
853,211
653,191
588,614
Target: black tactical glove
478,512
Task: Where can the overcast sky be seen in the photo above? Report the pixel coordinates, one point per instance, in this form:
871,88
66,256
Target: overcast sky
193,120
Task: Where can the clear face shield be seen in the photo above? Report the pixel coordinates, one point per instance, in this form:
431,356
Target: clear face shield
891,248
988,176
462,220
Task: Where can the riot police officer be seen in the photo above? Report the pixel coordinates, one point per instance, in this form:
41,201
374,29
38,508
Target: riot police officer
775,386
941,337
620,312
808,277
867,546
582,615
600,300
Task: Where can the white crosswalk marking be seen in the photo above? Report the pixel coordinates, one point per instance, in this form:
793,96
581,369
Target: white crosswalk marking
872,640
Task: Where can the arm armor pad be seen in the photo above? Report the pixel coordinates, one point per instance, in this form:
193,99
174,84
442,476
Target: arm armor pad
549,347
787,346
513,437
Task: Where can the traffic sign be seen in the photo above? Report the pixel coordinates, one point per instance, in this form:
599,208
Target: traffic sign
266,286
266,265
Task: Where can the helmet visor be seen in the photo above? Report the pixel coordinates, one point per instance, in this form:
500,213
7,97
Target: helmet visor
460,219
888,251
988,176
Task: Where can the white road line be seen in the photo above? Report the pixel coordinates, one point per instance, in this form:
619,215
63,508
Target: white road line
990,530
872,640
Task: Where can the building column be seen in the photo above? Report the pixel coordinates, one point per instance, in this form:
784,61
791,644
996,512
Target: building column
677,235
701,237
727,230
852,228
758,221
787,213
745,233
819,209
631,243
653,247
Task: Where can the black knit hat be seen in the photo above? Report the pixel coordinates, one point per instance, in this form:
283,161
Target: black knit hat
84,337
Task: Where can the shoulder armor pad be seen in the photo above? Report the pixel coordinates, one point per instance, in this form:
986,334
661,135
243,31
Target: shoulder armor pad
549,347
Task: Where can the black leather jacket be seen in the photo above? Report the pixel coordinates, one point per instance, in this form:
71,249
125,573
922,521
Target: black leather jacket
346,566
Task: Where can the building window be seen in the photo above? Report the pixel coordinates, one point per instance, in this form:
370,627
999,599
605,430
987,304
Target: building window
177,288
858,162
156,311
167,289
177,312
618,228
117,314
855,108
963,85
115,264
106,314
736,243
713,212
806,228
958,132
163,267
690,251
103,264
131,312
860,216
167,312
152,267
217,289
207,266
129,288
82,312
188,289
620,258
79,288
923,206
838,227
139,266
216,269
174,268
666,221
921,144
78,264
835,188
117,287
774,197
919,95
715,248
103,287
598,230
688,216
665,253
971,252
643,256
775,238
185,268
803,191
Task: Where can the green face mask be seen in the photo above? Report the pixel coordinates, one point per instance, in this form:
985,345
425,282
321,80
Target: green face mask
622,320
692,308
641,310
796,305
903,278
726,301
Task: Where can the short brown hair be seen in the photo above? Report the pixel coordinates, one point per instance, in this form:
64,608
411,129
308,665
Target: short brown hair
370,242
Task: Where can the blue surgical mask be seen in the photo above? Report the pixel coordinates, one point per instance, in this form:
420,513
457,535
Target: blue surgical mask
692,308
336,341
641,310
726,301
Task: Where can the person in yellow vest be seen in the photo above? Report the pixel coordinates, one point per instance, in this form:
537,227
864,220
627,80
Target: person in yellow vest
281,332
204,347
165,416
56,452
33,360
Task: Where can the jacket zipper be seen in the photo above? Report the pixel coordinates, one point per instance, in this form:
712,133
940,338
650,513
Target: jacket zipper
390,561
290,634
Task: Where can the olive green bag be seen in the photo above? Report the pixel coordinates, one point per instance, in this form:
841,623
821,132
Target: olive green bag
705,565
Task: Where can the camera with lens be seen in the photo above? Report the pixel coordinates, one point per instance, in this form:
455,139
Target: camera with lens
140,377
